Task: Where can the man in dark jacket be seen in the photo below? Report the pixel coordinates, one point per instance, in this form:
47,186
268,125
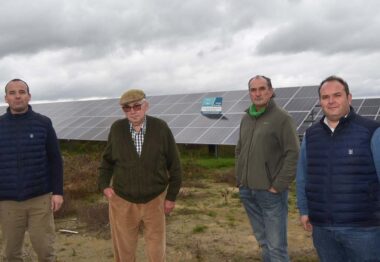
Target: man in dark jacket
142,160
31,176
338,178
266,160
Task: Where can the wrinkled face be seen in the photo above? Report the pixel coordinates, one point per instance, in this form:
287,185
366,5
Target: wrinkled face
334,100
135,111
17,97
260,92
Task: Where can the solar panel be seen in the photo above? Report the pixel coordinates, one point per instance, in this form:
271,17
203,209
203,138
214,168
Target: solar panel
368,110
281,102
187,135
371,102
182,121
91,120
307,91
240,106
214,136
357,102
286,92
301,104
298,117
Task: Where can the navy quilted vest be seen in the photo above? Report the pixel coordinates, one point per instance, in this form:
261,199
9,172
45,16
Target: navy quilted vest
342,186
23,160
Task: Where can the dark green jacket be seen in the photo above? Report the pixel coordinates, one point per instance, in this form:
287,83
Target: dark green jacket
267,150
140,179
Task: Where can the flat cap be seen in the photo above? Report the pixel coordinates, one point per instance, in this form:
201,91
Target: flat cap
132,95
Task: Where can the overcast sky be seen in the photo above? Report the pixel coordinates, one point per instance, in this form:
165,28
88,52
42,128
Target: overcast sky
78,49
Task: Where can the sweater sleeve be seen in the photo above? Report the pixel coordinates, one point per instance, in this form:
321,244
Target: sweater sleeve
290,147
301,180
55,160
106,166
174,167
375,147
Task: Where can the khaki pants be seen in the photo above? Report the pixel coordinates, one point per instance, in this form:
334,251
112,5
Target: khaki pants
125,219
32,215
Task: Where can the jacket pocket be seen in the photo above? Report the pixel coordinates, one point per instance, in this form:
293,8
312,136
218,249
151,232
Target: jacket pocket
271,178
267,172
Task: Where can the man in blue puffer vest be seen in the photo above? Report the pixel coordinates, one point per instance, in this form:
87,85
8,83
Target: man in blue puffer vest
31,176
338,178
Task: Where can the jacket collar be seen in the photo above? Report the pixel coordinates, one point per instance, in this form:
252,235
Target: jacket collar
343,121
19,116
271,104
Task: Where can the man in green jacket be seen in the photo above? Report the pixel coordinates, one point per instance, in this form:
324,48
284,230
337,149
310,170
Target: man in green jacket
266,159
140,175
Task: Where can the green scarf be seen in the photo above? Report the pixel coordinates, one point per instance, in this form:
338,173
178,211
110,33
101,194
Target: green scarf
253,112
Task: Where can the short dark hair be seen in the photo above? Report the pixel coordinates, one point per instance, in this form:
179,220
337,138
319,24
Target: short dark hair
16,80
334,78
267,79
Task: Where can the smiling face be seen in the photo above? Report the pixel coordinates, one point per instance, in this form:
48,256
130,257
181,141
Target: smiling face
17,96
334,100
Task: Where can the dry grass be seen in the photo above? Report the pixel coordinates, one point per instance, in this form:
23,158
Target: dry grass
208,223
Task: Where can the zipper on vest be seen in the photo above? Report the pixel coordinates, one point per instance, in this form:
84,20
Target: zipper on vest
330,173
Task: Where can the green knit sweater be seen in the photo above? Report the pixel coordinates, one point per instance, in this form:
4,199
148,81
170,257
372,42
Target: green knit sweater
141,179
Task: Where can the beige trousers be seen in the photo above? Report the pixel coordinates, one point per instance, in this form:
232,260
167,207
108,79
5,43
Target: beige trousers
32,215
125,219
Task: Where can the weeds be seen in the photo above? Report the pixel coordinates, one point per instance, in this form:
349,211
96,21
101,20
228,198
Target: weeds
199,229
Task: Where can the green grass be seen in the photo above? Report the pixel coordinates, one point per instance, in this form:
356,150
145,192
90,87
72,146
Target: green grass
199,229
216,163
209,162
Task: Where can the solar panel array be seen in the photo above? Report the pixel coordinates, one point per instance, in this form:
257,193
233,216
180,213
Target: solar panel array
91,120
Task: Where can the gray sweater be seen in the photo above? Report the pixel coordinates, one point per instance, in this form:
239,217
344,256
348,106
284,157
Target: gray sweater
267,150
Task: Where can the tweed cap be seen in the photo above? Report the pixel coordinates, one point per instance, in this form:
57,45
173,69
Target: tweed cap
132,95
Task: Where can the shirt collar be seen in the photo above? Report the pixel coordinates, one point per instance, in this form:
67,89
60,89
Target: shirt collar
143,125
327,124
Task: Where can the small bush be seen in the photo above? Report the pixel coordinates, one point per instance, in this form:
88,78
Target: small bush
199,229
225,176
81,175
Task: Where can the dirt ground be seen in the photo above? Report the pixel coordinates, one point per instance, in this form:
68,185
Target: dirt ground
208,224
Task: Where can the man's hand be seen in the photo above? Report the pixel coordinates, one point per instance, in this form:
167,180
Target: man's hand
108,192
306,223
168,206
56,202
272,190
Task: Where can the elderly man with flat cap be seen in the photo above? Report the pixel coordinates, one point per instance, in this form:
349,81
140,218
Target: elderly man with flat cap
140,175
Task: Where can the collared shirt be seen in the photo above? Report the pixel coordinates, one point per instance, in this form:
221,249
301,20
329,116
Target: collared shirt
327,123
138,137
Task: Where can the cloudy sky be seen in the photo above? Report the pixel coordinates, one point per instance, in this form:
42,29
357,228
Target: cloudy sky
78,49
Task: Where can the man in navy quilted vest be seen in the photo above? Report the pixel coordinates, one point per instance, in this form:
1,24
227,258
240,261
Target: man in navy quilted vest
338,178
31,176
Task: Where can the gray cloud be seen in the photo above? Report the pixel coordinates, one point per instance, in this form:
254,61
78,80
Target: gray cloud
80,49
349,27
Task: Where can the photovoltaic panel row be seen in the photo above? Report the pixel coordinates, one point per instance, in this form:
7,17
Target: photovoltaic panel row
91,120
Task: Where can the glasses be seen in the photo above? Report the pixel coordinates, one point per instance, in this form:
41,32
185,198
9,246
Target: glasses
135,107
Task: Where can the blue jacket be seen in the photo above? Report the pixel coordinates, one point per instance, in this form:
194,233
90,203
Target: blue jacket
30,159
338,173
